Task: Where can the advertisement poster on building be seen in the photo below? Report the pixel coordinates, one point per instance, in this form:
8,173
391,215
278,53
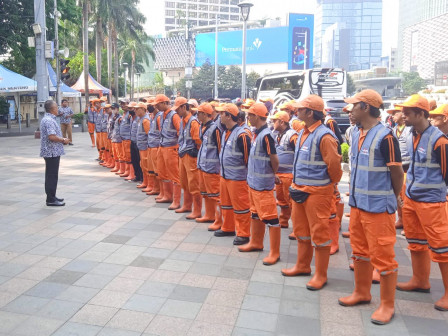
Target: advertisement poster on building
301,36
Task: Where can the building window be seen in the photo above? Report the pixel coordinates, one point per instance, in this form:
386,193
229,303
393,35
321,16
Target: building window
234,17
169,13
234,2
170,4
169,21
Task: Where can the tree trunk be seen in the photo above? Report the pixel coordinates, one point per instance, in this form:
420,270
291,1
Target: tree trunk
131,74
109,57
85,40
115,46
99,47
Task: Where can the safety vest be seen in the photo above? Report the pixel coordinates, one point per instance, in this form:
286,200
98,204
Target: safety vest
260,175
110,125
141,136
402,141
424,180
186,142
285,152
134,128
116,137
370,183
168,134
247,128
154,132
309,167
231,158
104,120
98,120
125,127
91,114
208,157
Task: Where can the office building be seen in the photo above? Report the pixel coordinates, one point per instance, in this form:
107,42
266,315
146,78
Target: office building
348,33
199,12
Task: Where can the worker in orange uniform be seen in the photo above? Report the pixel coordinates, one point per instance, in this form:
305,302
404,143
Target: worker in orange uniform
295,123
153,148
99,112
105,157
285,145
317,167
110,128
262,167
143,126
375,185
115,138
125,133
91,114
168,160
234,192
189,143
424,210
208,165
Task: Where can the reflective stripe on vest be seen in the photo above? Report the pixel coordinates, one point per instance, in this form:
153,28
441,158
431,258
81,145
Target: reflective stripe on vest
134,128
186,142
424,179
208,156
402,141
260,175
110,125
125,127
168,135
98,120
142,136
231,158
116,137
154,132
309,168
370,183
285,153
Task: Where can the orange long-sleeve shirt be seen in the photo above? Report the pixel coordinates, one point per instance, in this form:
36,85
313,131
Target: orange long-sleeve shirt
329,152
146,125
194,130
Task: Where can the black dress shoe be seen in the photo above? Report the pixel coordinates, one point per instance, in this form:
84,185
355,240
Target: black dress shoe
59,199
134,180
97,159
220,233
70,144
240,240
55,203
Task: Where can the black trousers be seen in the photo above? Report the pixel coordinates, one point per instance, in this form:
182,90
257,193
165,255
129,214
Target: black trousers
51,177
135,159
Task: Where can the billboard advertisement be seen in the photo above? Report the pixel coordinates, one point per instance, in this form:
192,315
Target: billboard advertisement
266,45
300,44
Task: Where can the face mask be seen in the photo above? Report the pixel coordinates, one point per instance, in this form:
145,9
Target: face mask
132,113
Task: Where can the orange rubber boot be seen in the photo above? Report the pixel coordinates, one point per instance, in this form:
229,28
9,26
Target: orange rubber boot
177,192
131,173
218,219
386,311
105,158
111,162
122,168
274,246
167,193
144,182
334,235
442,303
209,215
150,183
304,257
197,207
363,283
127,169
156,189
257,228
116,167
321,260
162,192
340,211
421,268
285,215
188,203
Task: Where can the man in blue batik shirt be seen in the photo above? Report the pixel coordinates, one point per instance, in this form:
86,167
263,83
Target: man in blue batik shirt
51,149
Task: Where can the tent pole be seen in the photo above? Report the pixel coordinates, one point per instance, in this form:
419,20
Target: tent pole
19,114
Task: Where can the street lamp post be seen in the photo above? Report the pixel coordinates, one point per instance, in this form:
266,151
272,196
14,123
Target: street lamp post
138,85
216,56
125,79
245,10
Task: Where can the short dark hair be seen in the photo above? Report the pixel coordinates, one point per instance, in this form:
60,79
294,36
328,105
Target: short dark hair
48,105
318,115
417,110
242,115
234,118
374,111
64,100
150,108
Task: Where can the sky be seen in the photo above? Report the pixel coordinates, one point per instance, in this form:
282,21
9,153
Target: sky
154,11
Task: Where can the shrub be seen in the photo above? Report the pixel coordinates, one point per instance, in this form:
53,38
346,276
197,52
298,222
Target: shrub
77,118
344,149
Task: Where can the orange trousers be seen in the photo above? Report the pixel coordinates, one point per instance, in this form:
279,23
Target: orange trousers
152,160
282,190
91,127
235,207
189,174
168,164
263,205
372,237
310,219
102,139
117,149
144,160
209,185
126,144
426,226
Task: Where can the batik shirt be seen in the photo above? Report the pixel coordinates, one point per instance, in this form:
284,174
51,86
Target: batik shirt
49,126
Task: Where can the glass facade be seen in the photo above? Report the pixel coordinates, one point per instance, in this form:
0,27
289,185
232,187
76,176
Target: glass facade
355,40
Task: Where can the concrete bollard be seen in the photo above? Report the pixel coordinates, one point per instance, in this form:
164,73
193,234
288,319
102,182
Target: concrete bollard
28,121
8,121
83,123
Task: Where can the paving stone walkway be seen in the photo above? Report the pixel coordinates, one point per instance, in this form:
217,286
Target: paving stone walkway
112,262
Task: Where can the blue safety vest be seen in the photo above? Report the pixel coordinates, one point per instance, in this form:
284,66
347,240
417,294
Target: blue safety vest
98,120
424,180
125,127
285,152
208,156
370,183
231,158
260,175
110,125
186,142
168,134
116,137
154,132
104,120
134,128
91,115
142,136
403,142
309,167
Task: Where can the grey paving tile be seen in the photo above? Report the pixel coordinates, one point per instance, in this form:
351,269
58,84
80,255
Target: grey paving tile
26,304
95,315
425,326
108,269
206,269
208,258
264,289
289,325
158,289
168,326
257,320
147,262
182,309
116,239
78,265
130,320
237,331
9,320
261,303
65,277
38,326
77,329
60,310
235,272
117,332
394,328
144,303
78,294
156,253
300,309
200,328
93,280
188,293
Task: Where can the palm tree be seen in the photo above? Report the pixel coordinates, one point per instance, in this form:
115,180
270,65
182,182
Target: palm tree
85,40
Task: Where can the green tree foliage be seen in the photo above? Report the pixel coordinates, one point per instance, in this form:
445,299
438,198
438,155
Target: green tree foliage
412,83
351,88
